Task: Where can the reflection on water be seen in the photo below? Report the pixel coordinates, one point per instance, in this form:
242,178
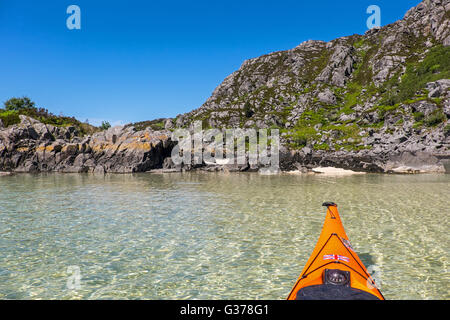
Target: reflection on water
214,236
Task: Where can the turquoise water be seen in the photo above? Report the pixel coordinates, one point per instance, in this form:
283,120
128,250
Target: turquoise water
214,236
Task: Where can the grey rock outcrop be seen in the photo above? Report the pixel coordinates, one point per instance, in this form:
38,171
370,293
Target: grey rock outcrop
438,88
32,146
327,97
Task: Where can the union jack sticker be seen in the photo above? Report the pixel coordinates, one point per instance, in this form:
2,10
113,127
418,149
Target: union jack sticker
335,257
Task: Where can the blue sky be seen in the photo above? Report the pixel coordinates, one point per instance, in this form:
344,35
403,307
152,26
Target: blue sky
140,60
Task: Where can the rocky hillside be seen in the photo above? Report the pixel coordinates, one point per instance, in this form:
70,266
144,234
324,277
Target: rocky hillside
377,102
366,98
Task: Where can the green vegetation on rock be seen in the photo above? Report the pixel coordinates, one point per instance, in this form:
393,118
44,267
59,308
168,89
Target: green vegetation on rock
157,124
15,107
435,66
435,118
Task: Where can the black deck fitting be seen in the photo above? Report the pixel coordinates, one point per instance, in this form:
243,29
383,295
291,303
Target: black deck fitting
329,204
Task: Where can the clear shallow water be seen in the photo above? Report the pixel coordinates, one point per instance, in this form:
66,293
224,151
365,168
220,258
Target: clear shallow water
214,236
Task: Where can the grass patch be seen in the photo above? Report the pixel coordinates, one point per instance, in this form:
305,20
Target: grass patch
321,146
435,118
302,136
383,110
447,129
352,98
343,131
157,124
418,116
417,125
435,66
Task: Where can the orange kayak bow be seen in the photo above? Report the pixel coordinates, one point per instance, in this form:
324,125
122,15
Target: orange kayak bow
334,270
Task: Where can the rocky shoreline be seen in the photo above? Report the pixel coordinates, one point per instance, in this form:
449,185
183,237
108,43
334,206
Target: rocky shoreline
33,147
378,102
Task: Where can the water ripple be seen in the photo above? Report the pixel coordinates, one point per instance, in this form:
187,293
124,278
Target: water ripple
214,236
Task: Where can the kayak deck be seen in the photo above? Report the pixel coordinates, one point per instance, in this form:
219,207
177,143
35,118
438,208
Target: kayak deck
334,270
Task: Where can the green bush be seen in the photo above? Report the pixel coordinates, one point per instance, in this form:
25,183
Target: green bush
418,116
16,104
435,118
105,125
447,130
301,136
24,106
9,117
248,112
